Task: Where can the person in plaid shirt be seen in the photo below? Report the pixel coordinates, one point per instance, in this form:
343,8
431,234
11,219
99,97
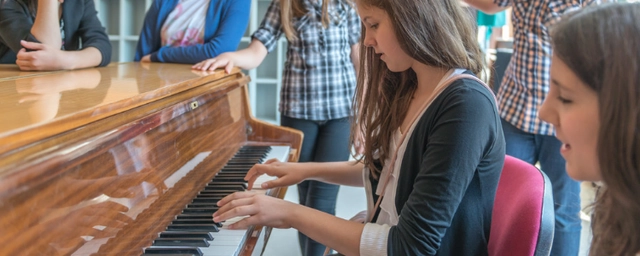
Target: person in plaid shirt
318,83
524,87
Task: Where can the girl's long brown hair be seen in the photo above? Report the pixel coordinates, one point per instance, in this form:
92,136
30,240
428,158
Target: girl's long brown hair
290,9
602,46
438,33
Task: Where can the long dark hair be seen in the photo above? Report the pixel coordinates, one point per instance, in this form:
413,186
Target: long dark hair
32,5
438,33
601,45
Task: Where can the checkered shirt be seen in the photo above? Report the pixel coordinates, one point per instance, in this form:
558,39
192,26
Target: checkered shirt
318,78
526,80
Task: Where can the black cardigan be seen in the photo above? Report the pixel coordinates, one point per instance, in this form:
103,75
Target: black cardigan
81,27
449,175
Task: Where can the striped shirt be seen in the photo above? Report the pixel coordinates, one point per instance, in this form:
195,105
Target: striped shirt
526,80
318,78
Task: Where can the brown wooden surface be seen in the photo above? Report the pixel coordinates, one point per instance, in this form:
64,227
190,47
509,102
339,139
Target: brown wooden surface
98,161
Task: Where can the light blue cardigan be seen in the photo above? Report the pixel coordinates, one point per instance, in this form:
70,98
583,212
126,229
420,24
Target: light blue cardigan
226,23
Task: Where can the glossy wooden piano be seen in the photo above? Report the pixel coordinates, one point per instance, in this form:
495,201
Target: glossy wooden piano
104,161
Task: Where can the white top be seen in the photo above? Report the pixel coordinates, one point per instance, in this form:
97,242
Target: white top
374,236
185,24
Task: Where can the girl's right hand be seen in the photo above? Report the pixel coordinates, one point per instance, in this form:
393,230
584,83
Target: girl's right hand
287,173
225,60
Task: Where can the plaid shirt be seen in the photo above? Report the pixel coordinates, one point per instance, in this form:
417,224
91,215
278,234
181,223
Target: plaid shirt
526,80
319,78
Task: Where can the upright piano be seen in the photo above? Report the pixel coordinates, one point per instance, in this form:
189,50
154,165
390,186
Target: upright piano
128,159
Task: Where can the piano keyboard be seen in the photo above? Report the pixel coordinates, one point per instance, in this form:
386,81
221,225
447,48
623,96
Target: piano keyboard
193,232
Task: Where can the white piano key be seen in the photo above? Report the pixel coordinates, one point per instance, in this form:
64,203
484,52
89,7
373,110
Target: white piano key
226,242
279,152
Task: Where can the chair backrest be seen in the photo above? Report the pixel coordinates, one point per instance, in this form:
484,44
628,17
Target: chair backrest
522,222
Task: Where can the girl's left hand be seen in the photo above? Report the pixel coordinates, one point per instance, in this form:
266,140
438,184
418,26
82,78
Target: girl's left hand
261,210
146,58
41,57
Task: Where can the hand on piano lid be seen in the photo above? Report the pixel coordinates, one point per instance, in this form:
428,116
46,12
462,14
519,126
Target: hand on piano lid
202,72
260,209
288,174
40,57
226,60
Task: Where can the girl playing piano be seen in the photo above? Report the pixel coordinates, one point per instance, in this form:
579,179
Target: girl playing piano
318,84
434,147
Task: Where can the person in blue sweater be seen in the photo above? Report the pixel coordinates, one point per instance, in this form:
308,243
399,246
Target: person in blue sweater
190,31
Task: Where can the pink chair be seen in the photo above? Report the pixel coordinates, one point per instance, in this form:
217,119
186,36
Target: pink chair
523,221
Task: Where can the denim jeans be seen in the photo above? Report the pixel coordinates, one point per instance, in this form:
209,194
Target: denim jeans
324,141
545,149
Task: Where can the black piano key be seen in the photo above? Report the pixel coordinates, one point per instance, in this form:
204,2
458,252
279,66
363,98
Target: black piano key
187,234
240,165
194,221
228,191
245,161
229,180
256,158
215,187
230,174
224,181
227,183
210,210
248,162
213,193
193,227
230,177
252,151
239,187
237,177
206,200
197,221
183,250
192,216
244,167
233,173
203,205
168,254
199,242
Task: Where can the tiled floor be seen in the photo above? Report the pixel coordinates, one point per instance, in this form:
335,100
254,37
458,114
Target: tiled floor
284,242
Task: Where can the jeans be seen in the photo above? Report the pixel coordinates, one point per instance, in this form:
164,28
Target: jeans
545,149
324,141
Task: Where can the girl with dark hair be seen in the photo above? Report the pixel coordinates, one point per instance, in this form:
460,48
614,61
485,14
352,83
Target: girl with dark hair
594,103
318,83
52,35
434,147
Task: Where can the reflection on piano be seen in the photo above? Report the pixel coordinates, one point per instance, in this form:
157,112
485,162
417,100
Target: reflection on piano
134,167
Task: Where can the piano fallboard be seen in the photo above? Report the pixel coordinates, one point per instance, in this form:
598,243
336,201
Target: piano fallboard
100,161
